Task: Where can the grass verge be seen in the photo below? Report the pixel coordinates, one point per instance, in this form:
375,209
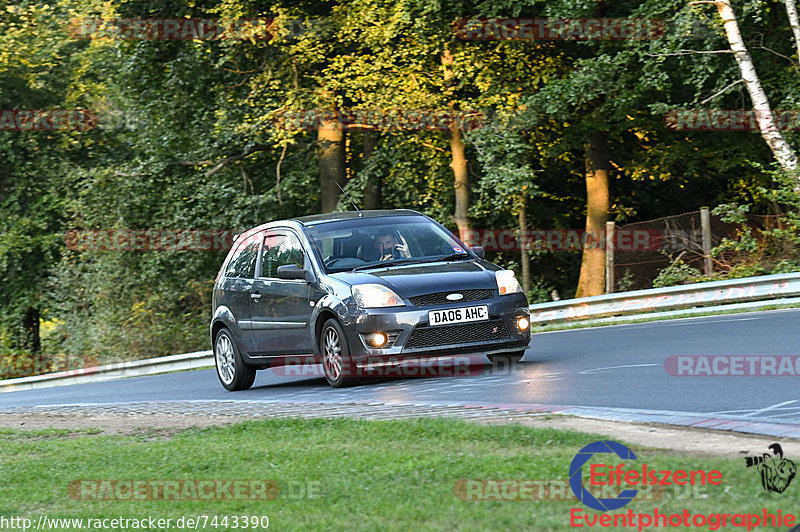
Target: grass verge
363,475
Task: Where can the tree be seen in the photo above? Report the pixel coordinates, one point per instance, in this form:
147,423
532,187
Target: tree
45,71
592,277
781,149
331,161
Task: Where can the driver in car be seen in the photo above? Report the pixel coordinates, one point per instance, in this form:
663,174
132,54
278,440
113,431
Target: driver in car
386,247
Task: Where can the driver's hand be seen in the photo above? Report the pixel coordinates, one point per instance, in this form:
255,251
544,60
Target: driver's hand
403,250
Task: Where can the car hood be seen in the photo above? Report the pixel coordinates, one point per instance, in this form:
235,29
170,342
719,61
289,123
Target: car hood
418,279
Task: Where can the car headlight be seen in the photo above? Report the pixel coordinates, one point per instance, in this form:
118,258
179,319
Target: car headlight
507,282
376,296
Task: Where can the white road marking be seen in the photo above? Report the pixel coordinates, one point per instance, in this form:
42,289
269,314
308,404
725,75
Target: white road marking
767,409
597,370
715,321
731,412
544,376
772,416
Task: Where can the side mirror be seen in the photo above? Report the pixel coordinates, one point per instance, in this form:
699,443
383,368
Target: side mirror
293,271
479,251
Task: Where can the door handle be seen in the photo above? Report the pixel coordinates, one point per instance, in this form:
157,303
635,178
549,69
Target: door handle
256,295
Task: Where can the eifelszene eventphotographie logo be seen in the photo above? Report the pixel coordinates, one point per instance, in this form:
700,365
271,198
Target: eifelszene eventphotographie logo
618,476
576,475
776,471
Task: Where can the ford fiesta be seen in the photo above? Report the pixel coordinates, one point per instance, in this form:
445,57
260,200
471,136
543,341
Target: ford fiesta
355,290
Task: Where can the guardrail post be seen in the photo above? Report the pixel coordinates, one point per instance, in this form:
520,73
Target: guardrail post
610,257
705,224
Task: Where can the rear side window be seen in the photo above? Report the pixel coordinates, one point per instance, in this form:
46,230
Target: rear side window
280,249
243,262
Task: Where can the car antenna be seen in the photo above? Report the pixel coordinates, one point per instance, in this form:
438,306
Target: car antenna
353,203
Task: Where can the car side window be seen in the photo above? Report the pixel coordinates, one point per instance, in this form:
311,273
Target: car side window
280,249
243,262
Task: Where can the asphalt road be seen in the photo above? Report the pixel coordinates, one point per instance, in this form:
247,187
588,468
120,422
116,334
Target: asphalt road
609,367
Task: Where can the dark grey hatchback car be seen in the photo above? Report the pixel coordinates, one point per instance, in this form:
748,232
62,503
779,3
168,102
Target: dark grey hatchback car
353,291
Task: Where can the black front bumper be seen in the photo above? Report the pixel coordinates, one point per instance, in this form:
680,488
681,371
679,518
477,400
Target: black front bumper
413,336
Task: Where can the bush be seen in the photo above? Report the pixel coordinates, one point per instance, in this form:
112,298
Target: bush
677,273
751,251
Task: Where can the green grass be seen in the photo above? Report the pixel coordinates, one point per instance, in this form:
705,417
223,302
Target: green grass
371,475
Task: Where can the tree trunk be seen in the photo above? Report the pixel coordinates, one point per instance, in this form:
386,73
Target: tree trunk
31,340
459,163
460,182
592,277
525,263
30,326
330,139
781,149
372,190
794,22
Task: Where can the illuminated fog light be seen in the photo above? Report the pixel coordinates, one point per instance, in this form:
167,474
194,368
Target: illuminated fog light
523,323
378,339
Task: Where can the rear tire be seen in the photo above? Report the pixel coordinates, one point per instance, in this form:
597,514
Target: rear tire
506,359
233,373
340,371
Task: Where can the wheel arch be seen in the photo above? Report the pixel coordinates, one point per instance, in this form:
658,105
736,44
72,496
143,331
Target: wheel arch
323,316
223,317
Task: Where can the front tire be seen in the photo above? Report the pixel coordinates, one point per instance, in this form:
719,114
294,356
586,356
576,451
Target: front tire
506,359
340,371
233,373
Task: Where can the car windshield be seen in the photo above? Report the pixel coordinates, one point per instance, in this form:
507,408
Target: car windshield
362,243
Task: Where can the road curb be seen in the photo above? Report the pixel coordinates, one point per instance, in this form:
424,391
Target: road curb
371,410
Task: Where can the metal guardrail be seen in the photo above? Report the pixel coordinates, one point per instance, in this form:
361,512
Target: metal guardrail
134,368
661,302
716,295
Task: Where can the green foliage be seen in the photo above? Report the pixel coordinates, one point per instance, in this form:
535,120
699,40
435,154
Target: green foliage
755,250
188,139
677,273
625,282
540,292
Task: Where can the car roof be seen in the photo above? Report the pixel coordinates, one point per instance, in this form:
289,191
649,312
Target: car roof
350,215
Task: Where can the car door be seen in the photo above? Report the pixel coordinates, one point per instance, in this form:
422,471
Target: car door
279,308
237,284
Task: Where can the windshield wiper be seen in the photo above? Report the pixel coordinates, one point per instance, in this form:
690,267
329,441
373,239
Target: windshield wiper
395,262
446,258
384,264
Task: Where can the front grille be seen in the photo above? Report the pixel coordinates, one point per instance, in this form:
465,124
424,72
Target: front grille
441,297
463,333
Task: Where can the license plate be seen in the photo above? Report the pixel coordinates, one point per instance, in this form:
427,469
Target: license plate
458,315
